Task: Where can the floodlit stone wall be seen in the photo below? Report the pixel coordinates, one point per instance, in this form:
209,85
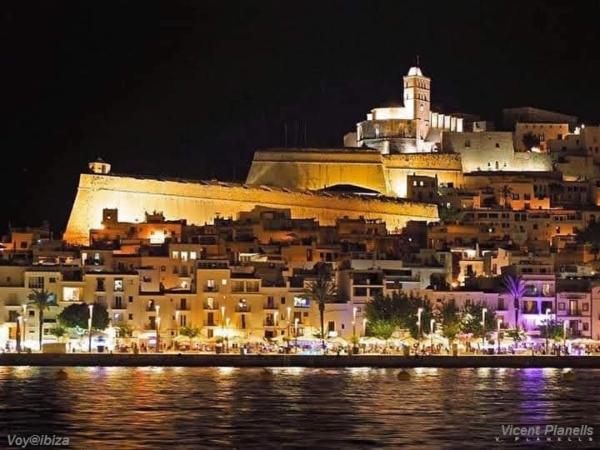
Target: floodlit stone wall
200,202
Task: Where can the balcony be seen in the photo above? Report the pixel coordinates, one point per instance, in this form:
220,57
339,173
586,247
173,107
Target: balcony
210,323
183,308
270,323
213,288
242,309
118,306
211,306
574,312
270,306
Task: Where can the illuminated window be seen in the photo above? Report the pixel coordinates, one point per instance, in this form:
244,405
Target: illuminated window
224,282
300,302
118,287
184,256
175,255
193,255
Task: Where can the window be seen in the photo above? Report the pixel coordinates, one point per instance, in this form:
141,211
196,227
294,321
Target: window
118,303
184,256
224,282
182,321
331,326
51,280
130,299
183,303
561,306
585,307
467,143
300,302
36,283
586,326
163,268
130,316
118,287
175,255
193,255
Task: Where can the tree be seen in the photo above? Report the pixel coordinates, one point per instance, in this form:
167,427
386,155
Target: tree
530,140
41,300
58,331
382,329
472,316
401,309
449,315
322,290
76,316
124,329
551,329
190,331
514,287
590,236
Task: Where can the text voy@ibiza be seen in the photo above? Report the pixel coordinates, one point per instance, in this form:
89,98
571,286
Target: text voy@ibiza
36,440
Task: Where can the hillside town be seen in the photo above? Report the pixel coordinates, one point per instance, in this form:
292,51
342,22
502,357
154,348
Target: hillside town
493,247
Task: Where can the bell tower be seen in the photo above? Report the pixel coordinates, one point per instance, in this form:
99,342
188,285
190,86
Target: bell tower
417,99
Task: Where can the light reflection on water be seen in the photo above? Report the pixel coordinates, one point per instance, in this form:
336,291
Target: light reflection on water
133,408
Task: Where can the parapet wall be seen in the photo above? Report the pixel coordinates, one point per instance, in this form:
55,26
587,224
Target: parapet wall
199,203
315,361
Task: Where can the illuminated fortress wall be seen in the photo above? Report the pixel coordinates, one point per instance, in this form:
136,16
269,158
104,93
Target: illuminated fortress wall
200,202
318,168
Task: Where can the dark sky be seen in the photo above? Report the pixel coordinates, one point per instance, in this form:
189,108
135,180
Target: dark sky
192,89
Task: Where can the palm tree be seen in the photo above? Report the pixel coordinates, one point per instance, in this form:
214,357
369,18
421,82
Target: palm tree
322,290
516,289
41,300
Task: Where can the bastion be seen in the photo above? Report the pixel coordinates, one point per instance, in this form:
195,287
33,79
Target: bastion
199,202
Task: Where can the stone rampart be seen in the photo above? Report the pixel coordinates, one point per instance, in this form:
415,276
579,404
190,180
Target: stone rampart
200,202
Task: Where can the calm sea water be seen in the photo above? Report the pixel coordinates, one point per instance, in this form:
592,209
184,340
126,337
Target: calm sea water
195,408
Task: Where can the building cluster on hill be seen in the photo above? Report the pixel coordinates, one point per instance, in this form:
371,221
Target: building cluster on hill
245,277
441,205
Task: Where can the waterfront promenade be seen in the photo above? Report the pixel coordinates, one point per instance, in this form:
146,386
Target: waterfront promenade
316,361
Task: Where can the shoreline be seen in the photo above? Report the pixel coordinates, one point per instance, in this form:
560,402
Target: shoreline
313,361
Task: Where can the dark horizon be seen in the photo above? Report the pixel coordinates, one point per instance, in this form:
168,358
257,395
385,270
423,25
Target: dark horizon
192,90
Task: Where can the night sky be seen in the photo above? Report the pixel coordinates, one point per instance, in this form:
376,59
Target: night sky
192,89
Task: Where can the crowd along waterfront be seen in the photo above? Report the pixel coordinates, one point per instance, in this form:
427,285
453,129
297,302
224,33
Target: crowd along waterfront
197,408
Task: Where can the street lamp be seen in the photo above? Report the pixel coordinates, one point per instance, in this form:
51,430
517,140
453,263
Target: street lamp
419,312
91,308
177,322
548,312
354,310
289,321
223,326
483,311
296,320
23,333
226,337
432,325
157,323
565,324
499,323
18,336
